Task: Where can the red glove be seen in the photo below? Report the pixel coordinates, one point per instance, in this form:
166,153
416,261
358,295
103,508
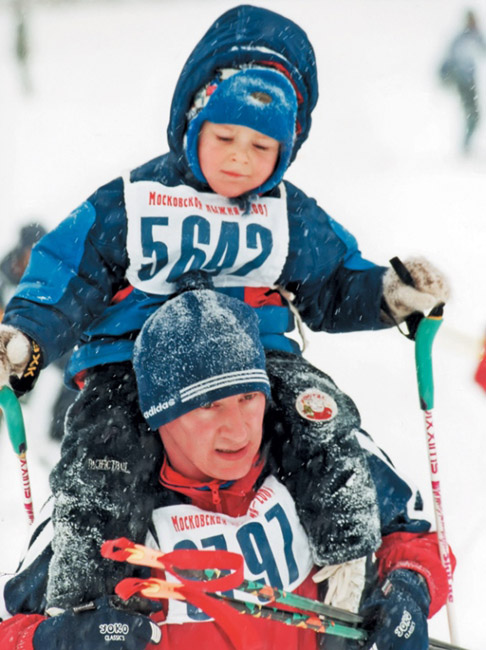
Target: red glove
17,633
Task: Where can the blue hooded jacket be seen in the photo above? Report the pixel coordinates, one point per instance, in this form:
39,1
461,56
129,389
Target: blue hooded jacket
94,280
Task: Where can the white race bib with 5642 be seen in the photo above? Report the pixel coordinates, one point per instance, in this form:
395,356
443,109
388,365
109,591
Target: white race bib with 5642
172,230
270,538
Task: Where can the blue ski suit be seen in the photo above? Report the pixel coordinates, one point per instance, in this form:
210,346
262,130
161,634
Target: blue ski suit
94,279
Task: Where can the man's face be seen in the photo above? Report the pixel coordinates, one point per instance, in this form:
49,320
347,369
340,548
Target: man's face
235,159
217,441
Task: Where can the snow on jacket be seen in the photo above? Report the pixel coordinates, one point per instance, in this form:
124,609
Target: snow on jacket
227,516
94,279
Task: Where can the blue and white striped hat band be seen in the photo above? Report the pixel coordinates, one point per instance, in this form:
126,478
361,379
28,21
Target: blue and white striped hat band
207,386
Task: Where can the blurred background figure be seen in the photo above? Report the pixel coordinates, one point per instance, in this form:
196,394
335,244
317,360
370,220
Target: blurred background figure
22,43
12,267
459,71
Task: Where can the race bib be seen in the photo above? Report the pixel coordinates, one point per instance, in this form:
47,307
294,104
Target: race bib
172,230
270,538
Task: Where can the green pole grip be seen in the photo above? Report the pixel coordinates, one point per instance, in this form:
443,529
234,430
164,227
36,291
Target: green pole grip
424,339
15,421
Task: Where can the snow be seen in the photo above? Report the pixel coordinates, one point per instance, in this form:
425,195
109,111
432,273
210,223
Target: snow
383,158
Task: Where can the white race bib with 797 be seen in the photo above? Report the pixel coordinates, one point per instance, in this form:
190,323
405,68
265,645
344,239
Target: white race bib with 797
172,230
270,538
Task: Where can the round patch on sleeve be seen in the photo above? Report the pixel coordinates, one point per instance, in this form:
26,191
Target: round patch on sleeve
315,405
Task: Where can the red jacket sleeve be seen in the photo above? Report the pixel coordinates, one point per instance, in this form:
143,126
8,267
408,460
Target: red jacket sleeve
17,633
420,553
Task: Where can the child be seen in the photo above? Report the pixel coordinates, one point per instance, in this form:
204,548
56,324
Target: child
222,486
217,203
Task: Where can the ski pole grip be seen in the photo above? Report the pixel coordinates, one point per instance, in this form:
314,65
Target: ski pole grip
15,421
424,339
16,431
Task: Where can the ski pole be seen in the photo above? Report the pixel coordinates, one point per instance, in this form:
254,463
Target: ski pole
424,338
426,327
16,430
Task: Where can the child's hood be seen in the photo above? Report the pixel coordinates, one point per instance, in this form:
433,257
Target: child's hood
246,35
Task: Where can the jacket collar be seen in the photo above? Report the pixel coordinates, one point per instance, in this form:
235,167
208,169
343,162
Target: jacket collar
202,493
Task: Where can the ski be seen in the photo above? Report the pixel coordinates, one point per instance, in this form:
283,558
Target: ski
312,614
157,588
124,550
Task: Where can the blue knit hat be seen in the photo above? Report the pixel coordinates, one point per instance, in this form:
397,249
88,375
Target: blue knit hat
197,348
259,98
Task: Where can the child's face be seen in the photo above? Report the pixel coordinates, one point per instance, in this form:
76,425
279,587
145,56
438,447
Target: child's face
235,159
218,441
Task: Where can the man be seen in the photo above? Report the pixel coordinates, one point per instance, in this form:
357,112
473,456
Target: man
233,478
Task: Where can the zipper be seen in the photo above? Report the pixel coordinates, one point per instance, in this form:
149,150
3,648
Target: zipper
216,496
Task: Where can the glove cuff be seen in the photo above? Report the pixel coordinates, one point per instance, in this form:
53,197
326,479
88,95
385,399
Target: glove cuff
26,382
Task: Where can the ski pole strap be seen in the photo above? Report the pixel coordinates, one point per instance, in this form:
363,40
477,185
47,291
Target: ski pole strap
414,319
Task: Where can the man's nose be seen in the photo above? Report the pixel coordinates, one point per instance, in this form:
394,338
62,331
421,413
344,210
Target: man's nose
233,424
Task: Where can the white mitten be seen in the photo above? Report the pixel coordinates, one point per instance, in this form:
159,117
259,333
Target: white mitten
431,288
346,582
15,350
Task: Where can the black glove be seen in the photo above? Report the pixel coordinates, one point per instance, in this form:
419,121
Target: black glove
99,626
395,614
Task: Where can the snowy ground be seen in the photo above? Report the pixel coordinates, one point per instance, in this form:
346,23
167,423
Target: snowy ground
383,158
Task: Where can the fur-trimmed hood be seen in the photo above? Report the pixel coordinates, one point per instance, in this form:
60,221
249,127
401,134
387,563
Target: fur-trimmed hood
242,36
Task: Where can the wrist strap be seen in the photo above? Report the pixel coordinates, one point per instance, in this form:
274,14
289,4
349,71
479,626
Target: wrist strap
21,385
